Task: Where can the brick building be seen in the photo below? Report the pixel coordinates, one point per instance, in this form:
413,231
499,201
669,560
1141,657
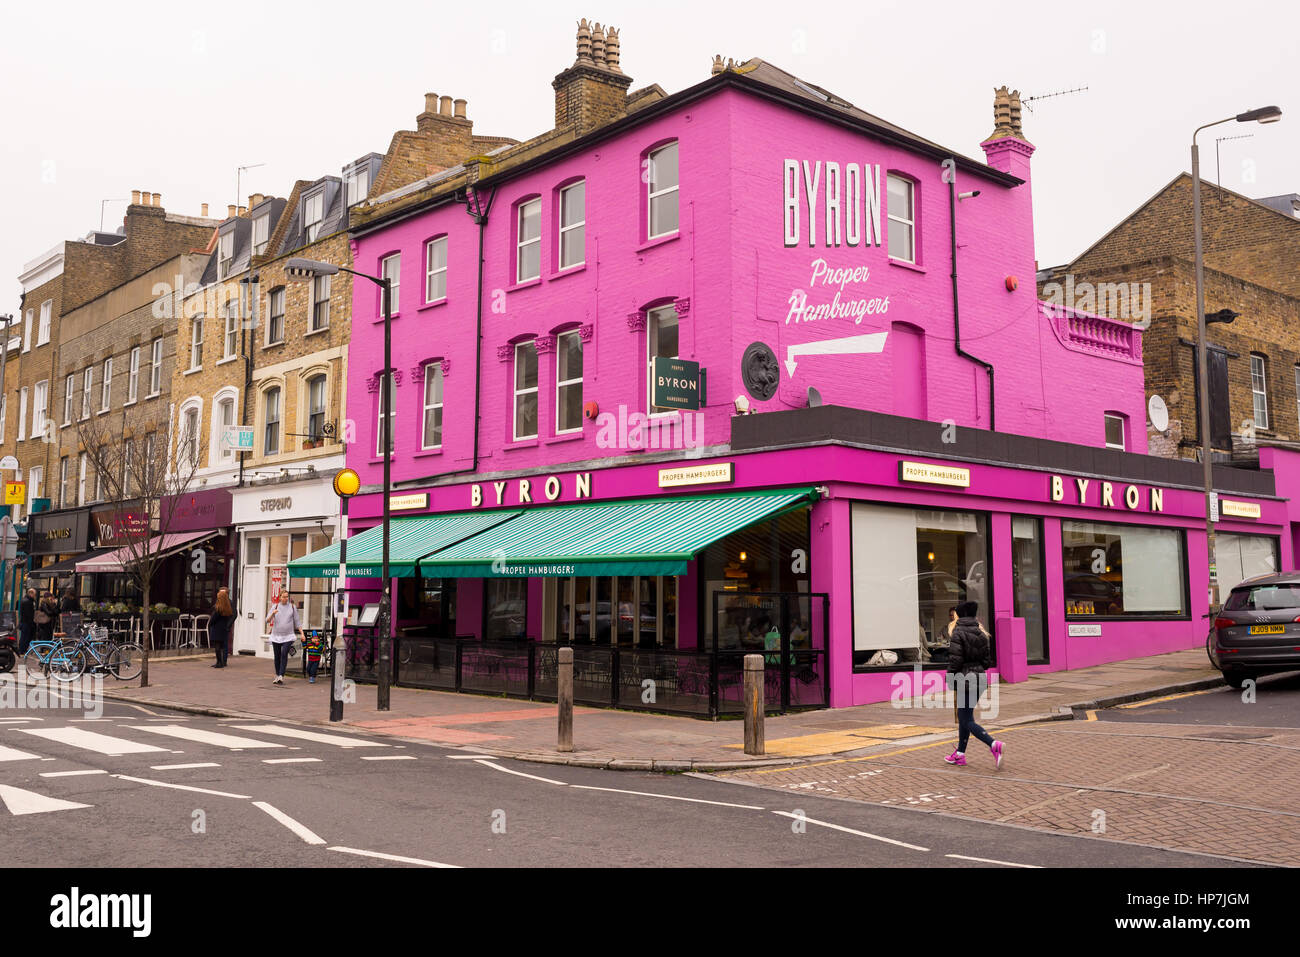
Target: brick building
1143,269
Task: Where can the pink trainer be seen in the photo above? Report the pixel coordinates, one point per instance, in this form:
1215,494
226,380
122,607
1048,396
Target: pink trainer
956,758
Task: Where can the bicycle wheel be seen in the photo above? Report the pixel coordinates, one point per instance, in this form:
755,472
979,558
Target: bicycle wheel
34,663
126,661
66,663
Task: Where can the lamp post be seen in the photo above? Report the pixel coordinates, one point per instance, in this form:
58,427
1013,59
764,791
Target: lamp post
1265,114
346,484
302,270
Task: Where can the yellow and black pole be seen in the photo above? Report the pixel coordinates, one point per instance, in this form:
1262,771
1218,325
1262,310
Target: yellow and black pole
346,484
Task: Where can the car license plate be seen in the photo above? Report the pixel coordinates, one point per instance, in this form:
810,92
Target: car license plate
1268,629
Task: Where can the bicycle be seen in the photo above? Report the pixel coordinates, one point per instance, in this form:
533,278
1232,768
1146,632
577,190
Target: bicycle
123,661
58,659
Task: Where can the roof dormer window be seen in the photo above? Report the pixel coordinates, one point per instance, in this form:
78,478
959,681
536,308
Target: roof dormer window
225,254
313,211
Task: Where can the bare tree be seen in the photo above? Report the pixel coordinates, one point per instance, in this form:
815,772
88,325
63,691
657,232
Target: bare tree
141,469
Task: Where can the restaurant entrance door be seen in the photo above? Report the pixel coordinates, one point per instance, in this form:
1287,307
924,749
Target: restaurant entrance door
629,610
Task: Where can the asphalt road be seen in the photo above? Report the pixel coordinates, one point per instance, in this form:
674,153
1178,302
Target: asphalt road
1275,703
140,787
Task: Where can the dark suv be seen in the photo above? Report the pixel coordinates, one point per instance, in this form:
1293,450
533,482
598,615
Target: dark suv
1258,630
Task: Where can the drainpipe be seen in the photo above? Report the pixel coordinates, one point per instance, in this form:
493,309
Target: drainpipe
956,317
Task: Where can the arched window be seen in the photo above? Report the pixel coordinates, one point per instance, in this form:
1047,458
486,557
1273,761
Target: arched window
661,191
271,406
223,417
189,456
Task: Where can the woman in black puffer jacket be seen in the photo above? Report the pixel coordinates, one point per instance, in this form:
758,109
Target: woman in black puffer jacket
969,657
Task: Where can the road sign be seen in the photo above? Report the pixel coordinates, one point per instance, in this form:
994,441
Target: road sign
1214,506
15,493
238,438
677,383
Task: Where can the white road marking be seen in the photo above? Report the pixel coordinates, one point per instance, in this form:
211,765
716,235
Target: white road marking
139,707
92,741
231,741
288,760
13,754
467,757
989,860
849,830
670,797
490,764
391,857
388,757
19,801
302,831
18,720
183,767
341,741
183,787
68,774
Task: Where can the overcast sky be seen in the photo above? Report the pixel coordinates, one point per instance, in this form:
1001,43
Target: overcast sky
100,99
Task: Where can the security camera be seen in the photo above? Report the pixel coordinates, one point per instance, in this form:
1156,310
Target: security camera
971,195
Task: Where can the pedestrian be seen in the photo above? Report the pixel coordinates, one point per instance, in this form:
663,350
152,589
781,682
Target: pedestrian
969,657
220,626
26,620
313,646
283,623
69,601
46,612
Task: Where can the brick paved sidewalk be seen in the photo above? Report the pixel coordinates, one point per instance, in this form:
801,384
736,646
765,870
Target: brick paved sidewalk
604,738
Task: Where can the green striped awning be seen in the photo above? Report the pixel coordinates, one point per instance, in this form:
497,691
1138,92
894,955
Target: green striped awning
645,537
409,539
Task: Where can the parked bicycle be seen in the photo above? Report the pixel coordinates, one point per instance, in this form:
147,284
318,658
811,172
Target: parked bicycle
59,659
92,648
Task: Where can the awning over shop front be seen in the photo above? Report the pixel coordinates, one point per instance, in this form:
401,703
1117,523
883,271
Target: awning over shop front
409,540
645,537
62,569
159,546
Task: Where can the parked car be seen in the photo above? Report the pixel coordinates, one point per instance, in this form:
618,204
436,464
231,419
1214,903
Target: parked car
1258,630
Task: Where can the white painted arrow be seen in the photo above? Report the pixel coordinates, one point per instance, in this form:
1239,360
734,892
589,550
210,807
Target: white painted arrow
849,345
19,801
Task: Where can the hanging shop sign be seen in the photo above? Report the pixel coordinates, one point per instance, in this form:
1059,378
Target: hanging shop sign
677,384
933,474
697,475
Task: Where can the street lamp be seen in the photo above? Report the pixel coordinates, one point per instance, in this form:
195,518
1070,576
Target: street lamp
303,270
1265,114
346,484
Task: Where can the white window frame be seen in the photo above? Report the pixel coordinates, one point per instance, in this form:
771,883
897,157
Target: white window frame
69,393
324,406
651,324
106,385
387,390
133,379
128,452
225,253
40,407
27,331
82,468
520,242
22,414
390,268
893,217
87,386
313,214
430,273
190,436
1123,432
357,182
1259,390
652,194
261,233
560,384
196,343
47,316
4,409
271,315
230,337
35,475
279,419
155,369
317,300
434,370
217,455
63,482
570,227
525,390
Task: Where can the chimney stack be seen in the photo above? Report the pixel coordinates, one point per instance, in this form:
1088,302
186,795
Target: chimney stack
204,214
157,200
1006,149
593,91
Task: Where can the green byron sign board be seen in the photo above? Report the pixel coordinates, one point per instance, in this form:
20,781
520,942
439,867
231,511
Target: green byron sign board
677,384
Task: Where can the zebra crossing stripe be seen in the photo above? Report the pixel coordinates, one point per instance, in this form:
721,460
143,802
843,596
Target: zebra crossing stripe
13,754
342,741
200,736
92,741
19,801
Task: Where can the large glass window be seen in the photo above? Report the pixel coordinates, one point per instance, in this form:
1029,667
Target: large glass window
1123,570
525,418
1243,556
662,195
505,608
1027,576
645,613
911,568
568,383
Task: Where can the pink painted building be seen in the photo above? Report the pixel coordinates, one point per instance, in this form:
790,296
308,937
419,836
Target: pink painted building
746,368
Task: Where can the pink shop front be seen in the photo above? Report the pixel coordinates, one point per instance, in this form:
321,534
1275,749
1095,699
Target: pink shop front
866,537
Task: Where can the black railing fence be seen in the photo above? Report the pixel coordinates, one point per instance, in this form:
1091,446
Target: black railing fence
697,682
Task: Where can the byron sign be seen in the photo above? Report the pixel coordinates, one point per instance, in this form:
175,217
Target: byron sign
677,384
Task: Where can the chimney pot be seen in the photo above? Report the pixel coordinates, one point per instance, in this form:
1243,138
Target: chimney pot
135,197
205,211
611,49
243,210
460,108
598,45
431,102
157,200
231,210
444,106
584,43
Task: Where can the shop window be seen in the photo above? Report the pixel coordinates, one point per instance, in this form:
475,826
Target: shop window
1243,556
661,197
644,614
1123,571
505,608
429,601
902,218
1027,579
568,382
911,568
525,407
662,341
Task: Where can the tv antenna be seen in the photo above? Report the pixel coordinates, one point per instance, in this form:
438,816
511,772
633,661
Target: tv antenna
1029,100
1218,176
238,174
